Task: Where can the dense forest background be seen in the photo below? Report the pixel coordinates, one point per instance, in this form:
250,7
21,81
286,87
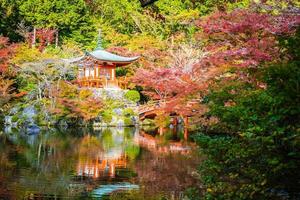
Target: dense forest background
231,65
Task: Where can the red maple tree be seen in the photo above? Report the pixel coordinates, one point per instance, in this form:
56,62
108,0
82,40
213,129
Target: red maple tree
7,50
242,38
43,37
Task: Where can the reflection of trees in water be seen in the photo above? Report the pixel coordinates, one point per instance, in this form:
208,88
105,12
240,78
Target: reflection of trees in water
42,164
58,164
5,168
47,164
167,165
171,141
169,174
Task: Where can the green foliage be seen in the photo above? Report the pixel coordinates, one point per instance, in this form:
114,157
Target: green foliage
127,121
53,14
107,116
257,148
162,120
132,151
9,19
128,112
121,71
74,104
192,193
133,95
148,122
70,17
120,20
256,153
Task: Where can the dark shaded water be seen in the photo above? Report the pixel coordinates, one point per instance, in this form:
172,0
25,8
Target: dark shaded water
95,164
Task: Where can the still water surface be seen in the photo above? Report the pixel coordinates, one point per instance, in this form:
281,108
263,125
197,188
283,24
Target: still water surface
96,164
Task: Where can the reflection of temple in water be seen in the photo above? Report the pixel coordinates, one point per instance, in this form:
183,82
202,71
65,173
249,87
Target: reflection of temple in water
95,162
100,167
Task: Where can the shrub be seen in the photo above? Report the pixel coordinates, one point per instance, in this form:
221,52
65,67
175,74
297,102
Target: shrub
133,95
259,146
128,112
162,120
148,122
127,121
83,94
107,116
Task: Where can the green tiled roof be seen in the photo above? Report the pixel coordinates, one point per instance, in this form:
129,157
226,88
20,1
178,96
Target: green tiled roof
105,56
110,57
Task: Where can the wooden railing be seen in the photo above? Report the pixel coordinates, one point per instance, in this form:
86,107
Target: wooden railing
92,82
100,82
150,107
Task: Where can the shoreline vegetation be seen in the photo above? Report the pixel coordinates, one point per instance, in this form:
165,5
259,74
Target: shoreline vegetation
226,73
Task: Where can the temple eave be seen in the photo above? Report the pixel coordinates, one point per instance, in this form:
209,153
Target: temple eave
115,62
114,59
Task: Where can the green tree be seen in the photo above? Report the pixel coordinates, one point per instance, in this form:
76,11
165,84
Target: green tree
9,19
71,18
255,153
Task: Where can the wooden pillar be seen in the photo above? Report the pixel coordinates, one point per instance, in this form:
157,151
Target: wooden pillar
112,169
95,71
175,121
186,121
113,73
186,133
161,130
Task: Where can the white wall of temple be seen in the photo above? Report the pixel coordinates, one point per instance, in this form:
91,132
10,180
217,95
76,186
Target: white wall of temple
81,73
87,72
92,72
109,73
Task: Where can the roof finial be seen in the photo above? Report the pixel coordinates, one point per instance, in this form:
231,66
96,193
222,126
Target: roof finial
99,42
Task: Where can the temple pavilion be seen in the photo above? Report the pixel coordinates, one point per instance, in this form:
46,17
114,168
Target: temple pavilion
98,68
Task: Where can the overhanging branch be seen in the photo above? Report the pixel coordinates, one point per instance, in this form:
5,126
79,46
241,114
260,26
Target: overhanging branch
147,2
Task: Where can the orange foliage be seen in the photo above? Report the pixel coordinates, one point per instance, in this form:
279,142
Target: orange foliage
71,102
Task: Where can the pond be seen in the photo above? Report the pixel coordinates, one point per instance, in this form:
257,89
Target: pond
108,163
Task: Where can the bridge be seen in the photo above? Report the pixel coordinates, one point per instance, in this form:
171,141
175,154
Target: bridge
155,146
153,108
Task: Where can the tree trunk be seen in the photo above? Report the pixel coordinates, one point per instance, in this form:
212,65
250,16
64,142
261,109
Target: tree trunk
186,126
161,130
34,37
56,39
